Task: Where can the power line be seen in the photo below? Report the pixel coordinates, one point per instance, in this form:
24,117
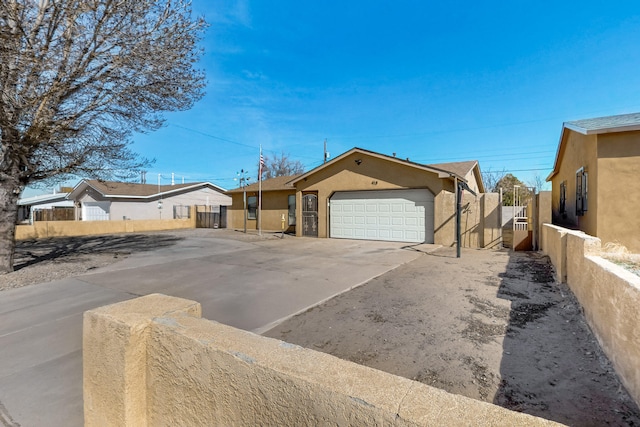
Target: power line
215,137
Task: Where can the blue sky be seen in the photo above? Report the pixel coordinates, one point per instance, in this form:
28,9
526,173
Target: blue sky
431,81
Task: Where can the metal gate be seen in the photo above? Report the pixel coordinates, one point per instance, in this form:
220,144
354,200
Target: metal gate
524,238
211,217
310,215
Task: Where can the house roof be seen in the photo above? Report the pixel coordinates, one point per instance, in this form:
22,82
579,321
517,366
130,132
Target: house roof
458,168
374,154
44,198
599,125
272,184
619,123
130,190
444,170
462,169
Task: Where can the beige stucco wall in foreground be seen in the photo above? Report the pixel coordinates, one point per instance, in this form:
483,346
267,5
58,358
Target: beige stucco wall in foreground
153,361
608,294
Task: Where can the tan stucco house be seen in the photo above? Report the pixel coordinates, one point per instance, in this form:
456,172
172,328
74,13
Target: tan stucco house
109,200
595,185
278,201
366,195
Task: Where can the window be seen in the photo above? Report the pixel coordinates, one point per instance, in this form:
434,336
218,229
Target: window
292,209
252,207
563,197
581,191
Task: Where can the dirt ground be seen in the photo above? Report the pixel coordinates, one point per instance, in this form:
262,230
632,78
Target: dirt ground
492,325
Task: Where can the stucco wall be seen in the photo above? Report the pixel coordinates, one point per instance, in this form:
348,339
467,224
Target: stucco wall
491,225
544,214
608,294
619,195
46,229
153,361
578,151
471,221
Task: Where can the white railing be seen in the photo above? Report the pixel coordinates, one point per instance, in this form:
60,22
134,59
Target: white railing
520,219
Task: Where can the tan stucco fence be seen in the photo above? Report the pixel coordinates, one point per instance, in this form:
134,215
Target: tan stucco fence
608,294
153,361
45,229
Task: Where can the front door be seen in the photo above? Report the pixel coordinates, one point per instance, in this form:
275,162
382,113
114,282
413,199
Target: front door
310,215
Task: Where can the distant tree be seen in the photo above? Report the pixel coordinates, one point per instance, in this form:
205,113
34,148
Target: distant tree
77,78
538,182
511,186
490,178
280,166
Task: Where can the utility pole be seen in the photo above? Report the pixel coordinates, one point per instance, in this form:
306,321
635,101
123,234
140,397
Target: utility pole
326,153
159,200
242,177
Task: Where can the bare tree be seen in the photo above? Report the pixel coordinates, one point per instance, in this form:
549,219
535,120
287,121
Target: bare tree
491,178
280,166
77,78
538,182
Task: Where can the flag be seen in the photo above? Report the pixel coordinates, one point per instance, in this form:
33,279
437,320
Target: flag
260,167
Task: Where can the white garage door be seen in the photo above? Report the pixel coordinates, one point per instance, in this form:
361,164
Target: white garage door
95,211
394,215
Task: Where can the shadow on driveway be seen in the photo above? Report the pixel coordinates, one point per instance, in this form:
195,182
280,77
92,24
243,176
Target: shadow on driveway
31,252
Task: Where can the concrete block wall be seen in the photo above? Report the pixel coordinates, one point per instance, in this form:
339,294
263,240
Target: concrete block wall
46,229
608,294
153,361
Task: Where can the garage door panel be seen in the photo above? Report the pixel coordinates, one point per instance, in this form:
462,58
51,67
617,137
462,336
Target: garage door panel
396,215
412,235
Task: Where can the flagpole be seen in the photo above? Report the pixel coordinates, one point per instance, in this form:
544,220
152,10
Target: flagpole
260,194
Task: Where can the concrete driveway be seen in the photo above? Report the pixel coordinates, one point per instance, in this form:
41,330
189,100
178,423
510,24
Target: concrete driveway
247,284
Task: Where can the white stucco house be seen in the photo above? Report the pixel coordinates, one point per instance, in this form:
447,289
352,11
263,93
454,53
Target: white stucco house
108,200
29,205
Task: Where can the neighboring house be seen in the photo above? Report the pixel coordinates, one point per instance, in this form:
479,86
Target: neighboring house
595,185
28,206
278,200
107,200
366,195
